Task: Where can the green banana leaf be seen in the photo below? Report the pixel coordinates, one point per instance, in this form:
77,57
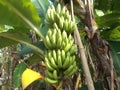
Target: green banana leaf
11,12
105,5
42,7
116,59
21,37
4,42
115,5
33,59
116,55
8,42
109,20
112,35
19,69
26,50
20,13
102,4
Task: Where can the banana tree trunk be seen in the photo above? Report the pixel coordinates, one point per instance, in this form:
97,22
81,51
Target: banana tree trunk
100,48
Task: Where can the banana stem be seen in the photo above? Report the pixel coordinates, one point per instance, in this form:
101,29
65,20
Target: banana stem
60,85
82,54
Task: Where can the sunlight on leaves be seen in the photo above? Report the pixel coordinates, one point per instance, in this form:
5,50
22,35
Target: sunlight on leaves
25,7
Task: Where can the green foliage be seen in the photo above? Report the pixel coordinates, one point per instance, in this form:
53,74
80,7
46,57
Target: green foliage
13,10
26,50
17,13
110,24
2,27
22,15
99,12
115,5
107,5
98,86
42,7
21,37
112,35
16,32
33,59
116,56
103,4
18,73
109,20
6,42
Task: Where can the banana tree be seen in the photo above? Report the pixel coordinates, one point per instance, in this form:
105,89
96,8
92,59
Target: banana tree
62,39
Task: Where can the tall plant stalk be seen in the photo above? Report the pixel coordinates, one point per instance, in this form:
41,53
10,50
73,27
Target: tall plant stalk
82,54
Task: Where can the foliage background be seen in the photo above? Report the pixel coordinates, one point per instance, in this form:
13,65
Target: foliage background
17,17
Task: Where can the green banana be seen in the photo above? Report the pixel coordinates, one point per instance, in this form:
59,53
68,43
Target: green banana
73,71
50,80
46,44
73,49
68,46
63,11
58,8
59,52
74,64
70,39
49,13
59,62
65,38
49,33
66,62
53,64
52,15
72,59
49,74
53,39
59,42
61,20
59,37
49,55
52,8
57,17
64,35
47,41
54,55
68,70
63,56
48,65
63,47
59,59
55,74
67,15
66,26
73,27
55,26
63,44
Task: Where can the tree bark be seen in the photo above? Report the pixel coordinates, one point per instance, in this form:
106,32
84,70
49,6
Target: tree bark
100,47
82,54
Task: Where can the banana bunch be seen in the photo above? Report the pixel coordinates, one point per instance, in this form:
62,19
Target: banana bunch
59,64
62,18
60,57
55,39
